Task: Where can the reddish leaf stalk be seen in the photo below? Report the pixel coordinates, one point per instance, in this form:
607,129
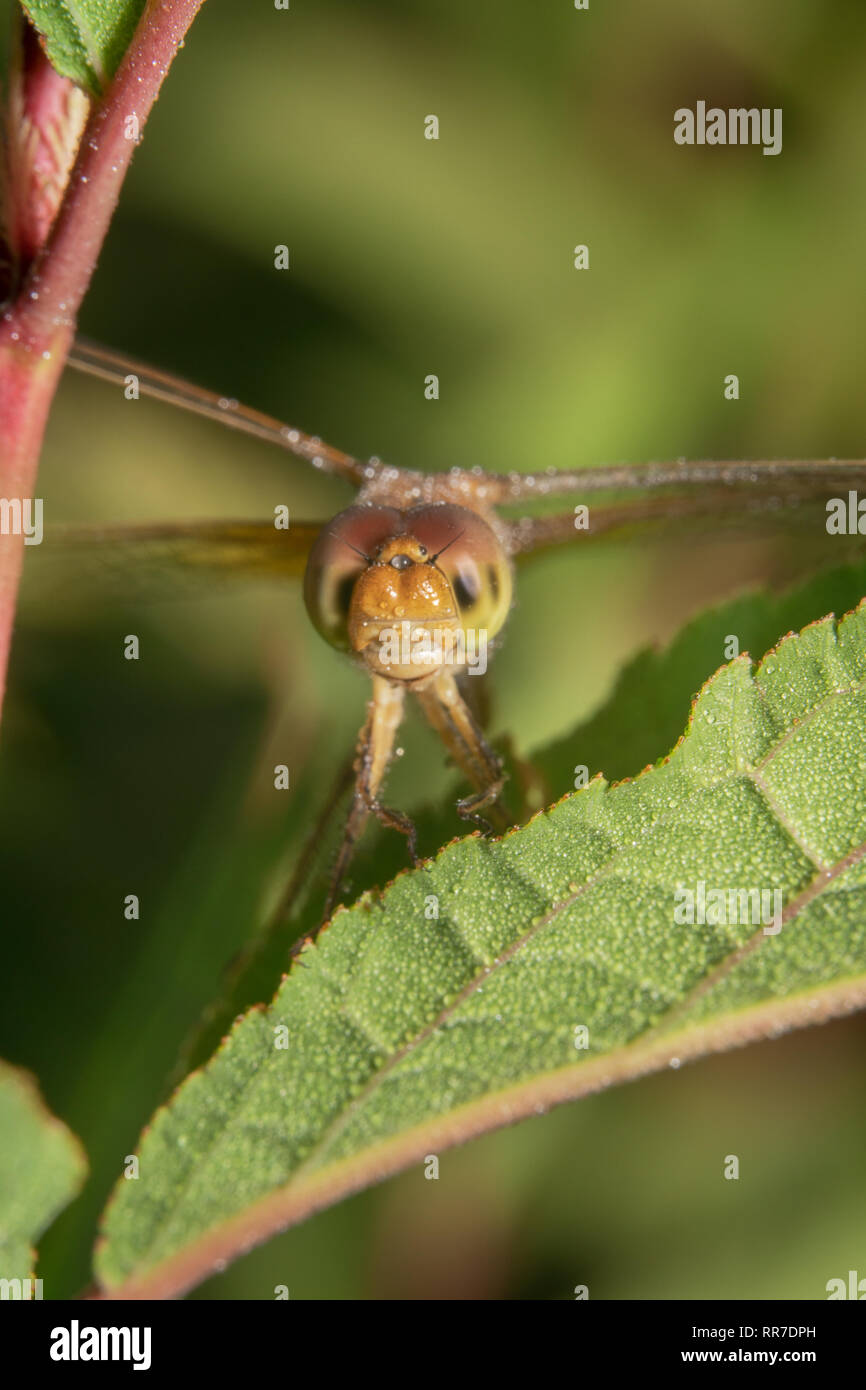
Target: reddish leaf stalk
37,327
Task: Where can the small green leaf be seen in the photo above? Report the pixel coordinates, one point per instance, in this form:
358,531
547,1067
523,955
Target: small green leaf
86,39
458,1001
42,1166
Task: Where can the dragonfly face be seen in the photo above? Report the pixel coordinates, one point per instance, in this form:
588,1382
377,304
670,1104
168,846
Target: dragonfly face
408,592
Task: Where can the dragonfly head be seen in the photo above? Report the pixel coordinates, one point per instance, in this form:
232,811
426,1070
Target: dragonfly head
408,592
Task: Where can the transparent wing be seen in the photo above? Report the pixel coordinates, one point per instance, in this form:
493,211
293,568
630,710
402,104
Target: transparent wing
770,477
163,560
802,495
115,367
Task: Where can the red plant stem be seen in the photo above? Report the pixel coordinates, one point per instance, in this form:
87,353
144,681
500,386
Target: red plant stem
37,328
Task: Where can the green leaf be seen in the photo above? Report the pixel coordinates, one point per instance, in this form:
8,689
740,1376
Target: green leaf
643,715
86,39
42,1166
407,1033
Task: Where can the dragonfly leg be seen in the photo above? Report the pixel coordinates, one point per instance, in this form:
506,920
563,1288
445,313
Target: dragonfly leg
375,750
455,724
468,807
374,754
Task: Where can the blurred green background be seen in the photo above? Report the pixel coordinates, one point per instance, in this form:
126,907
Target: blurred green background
409,257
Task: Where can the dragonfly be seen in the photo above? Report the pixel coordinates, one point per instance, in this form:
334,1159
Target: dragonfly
415,580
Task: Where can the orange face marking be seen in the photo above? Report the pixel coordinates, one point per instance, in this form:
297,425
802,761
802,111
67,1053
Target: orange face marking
396,602
415,590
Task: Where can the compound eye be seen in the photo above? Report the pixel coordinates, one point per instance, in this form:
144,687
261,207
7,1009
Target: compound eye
342,551
469,554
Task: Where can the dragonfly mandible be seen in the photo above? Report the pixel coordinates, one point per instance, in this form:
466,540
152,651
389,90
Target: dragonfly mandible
418,574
